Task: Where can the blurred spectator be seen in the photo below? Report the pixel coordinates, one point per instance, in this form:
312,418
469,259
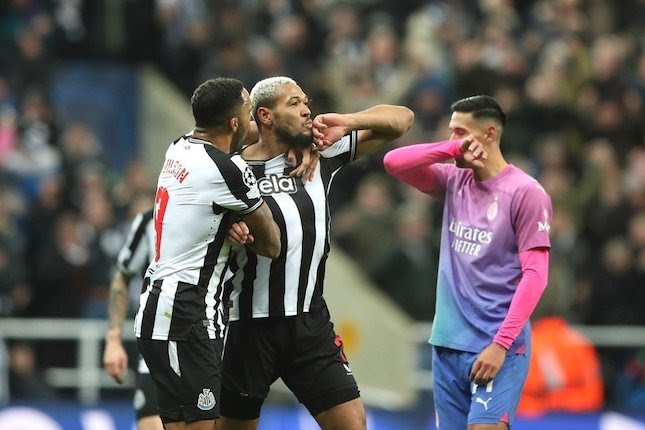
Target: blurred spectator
13,288
616,286
135,181
82,161
60,272
34,156
104,240
356,224
26,382
185,34
406,269
630,387
564,373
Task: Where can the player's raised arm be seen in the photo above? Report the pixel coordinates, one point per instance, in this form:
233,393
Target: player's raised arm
376,126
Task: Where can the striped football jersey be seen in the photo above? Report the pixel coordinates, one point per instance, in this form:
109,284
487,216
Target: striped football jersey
199,189
136,253
258,287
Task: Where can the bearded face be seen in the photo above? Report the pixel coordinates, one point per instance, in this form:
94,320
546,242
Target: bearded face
238,136
301,139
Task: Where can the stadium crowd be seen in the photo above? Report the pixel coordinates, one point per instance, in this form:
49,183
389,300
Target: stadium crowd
570,75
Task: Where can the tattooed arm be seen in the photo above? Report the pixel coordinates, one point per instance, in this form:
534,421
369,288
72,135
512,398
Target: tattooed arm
115,359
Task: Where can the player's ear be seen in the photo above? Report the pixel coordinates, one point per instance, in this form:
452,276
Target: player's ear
264,116
233,123
491,133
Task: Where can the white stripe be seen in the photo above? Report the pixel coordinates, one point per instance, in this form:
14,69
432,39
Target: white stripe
260,305
292,220
165,306
173,357
139,317
143,368
489,387
317,194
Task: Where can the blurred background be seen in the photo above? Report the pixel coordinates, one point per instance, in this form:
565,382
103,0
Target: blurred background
92,92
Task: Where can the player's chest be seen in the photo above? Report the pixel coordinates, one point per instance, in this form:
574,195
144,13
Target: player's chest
272,184
490,211
274,180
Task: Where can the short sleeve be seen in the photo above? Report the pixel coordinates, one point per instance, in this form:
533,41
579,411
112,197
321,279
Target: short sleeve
135,253
532,212
240,192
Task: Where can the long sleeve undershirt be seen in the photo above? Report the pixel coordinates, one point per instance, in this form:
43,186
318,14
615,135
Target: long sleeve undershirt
411,164
535,266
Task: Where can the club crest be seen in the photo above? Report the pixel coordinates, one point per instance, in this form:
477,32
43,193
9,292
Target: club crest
493,208
206,400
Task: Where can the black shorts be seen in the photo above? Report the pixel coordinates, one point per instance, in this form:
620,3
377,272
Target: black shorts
145,396
303,350
187,375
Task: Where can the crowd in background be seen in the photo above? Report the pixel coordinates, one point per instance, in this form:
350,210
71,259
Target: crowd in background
570,75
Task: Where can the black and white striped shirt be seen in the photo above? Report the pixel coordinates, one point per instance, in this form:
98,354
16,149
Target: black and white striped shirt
135,256
137,251
258,287
198,190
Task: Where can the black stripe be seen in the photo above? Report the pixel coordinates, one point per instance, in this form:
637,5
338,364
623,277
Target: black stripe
307,216
278,266
231,174
150,310
228,285
317,298
246,296
185,136
340,160
214,249
218,302
188,302
257,169
136,239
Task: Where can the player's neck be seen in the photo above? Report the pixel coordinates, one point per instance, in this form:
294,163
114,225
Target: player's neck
218,140
493,166
267,147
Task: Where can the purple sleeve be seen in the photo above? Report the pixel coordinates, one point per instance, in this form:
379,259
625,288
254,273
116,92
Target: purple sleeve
535,269
413,164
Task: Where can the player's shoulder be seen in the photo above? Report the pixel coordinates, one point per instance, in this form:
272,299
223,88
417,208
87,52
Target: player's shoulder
526,184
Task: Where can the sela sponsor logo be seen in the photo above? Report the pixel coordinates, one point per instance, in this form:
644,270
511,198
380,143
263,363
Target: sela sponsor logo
206,400
274,184
468,240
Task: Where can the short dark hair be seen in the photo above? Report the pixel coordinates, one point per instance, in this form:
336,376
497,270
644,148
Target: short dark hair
215,101
481,106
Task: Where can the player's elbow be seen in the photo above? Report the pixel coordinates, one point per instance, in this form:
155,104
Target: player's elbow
273,250
392,164
407,119
271,247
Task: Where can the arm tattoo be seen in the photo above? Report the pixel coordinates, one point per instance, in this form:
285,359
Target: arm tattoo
118,302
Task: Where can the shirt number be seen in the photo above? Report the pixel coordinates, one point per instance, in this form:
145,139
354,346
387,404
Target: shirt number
161,202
